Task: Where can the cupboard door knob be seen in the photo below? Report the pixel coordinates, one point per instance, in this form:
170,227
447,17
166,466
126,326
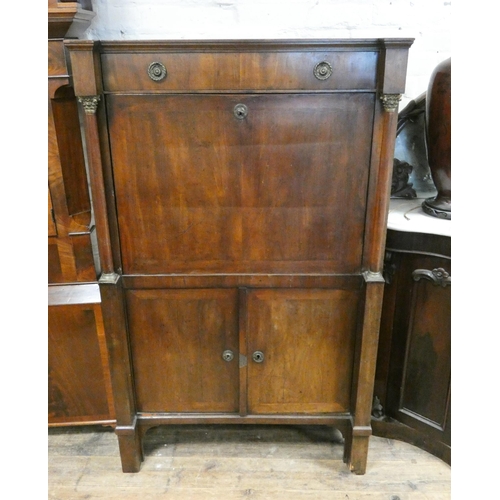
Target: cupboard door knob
157,71
258,356
228,355
240,111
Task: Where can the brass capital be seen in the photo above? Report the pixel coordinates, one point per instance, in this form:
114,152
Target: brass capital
90,103
390,102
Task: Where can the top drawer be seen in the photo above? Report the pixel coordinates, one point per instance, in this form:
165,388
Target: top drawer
163,71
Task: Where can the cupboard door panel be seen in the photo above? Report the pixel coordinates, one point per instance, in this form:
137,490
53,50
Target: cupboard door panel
177,341
419,389
284,188
426,383
307,338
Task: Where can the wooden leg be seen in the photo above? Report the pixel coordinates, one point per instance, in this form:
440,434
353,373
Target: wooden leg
356,441
347,444
115,324
130,443
359,454
365,376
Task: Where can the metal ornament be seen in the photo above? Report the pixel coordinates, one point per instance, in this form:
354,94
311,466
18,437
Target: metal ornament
390,102
323,70
258,356
434,211
90,103
240,111
228,355
157,71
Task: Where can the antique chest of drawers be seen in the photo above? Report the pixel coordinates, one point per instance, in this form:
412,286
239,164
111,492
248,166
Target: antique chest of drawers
240,193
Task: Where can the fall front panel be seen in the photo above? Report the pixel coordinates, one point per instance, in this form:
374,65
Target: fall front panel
200,189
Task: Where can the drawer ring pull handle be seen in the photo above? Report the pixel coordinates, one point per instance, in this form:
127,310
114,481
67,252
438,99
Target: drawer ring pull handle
240,111
258,356
323,70
157,71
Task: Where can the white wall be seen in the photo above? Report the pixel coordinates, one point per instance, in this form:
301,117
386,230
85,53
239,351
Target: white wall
428,21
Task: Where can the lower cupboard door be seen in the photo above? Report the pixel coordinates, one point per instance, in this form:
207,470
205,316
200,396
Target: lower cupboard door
178,338
301,350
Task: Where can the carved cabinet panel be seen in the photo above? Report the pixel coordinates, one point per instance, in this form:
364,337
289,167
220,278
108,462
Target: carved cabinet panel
420,380
414,366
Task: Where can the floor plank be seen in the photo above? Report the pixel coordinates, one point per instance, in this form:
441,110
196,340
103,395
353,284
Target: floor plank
239,462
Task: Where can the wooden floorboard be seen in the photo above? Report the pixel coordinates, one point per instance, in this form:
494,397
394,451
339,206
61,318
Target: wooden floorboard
239,462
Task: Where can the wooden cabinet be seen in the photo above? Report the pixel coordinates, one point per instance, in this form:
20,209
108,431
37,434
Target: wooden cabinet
70,229
413,380
240,193
79,381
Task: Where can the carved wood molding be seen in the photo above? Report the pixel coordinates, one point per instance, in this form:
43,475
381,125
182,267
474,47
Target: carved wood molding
438,276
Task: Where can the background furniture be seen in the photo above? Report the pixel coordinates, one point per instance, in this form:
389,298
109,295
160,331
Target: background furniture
240,192
413,381
79,382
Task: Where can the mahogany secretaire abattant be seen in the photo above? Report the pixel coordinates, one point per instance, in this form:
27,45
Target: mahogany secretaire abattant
240,193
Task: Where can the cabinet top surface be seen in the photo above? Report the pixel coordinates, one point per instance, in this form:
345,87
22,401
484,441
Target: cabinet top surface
250,45
408,216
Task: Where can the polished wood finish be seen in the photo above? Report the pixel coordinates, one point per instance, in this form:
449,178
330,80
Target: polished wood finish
413,379
225,209
315,376
79,389
70,249
259,231
243,71
115,322
190,330
79,384
68,18
71,256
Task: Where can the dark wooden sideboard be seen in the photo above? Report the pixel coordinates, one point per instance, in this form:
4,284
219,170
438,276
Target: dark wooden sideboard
413,377
240,193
